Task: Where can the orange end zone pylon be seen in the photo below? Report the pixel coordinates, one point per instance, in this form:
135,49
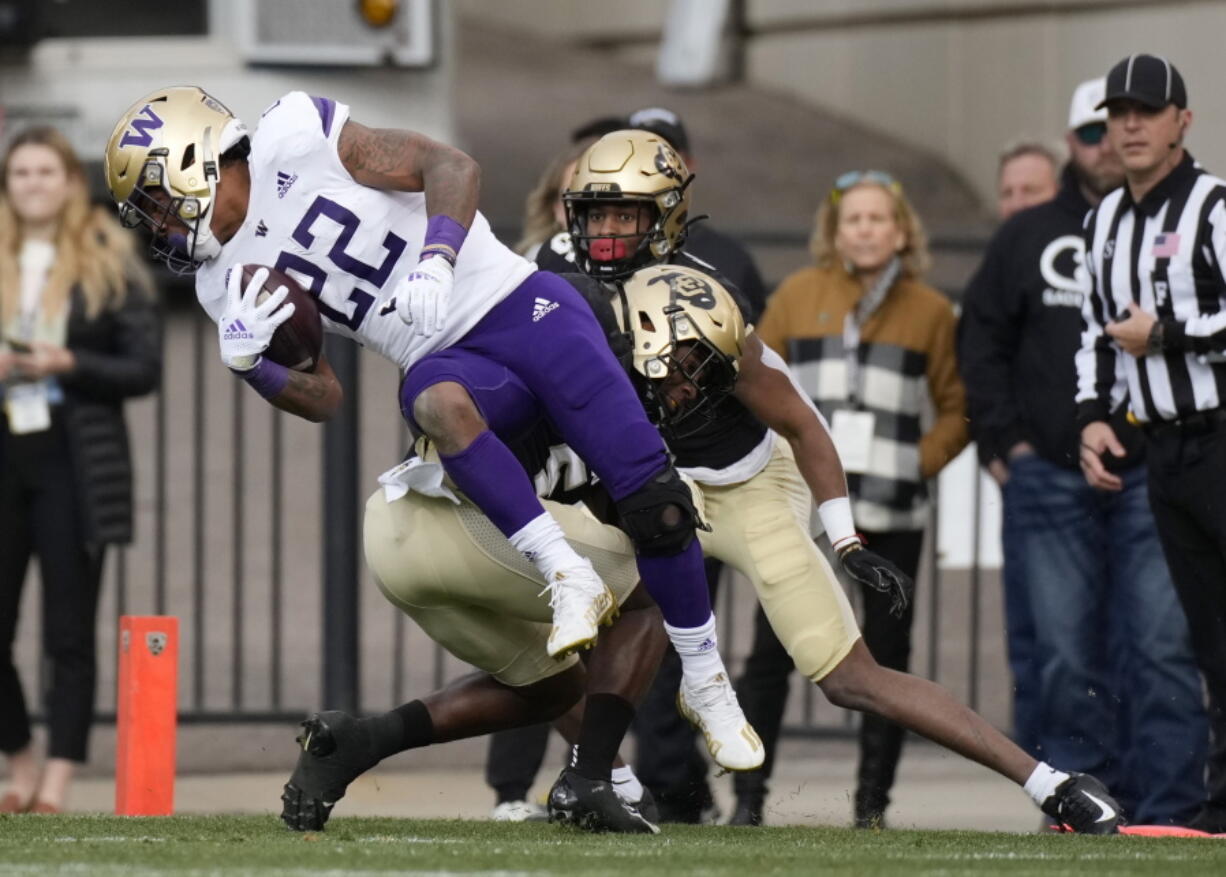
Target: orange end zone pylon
147,715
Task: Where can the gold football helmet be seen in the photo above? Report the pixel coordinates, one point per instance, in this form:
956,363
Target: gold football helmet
688,335
162,165
628,168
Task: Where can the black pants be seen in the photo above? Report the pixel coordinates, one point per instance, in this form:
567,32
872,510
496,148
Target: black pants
763,688
1187,491
669,762
39,514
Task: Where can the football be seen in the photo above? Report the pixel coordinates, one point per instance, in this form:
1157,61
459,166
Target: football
298,341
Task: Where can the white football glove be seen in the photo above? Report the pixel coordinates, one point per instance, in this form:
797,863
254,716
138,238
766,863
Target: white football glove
245,329
423,296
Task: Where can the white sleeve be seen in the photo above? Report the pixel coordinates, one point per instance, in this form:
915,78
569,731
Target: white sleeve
300,126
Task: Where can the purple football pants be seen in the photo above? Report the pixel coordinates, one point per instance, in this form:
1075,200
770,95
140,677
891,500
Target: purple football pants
540,353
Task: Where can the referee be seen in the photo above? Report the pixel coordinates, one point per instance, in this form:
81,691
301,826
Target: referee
1155,336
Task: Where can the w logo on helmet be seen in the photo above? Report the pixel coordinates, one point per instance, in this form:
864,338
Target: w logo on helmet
140,132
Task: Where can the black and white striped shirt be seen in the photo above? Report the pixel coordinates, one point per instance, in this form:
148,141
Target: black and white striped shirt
1165,254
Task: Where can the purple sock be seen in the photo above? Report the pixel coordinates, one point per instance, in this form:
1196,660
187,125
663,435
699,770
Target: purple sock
489,475
678,584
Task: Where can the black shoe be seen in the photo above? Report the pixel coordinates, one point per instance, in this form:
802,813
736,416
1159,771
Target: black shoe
748,812
870,820
869,810
1082,804
335,752
646,806
594,805
1210,820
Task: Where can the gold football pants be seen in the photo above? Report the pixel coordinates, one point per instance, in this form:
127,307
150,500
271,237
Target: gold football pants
761,528
449,569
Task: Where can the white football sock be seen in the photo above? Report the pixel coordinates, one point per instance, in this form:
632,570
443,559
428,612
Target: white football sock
542,541
627,785
1043,781
698,649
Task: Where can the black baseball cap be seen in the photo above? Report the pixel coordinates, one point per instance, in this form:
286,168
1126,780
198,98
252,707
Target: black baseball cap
597,127
663,123
1147,79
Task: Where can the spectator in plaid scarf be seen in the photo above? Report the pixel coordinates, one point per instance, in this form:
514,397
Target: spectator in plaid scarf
873,346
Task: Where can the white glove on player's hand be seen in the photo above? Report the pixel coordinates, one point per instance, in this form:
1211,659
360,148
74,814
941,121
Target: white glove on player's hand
423,296
245,329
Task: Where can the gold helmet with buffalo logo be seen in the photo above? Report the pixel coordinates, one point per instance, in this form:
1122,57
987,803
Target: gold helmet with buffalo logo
628,169
688,335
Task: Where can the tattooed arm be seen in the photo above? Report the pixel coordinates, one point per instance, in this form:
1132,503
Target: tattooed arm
314,396
404,161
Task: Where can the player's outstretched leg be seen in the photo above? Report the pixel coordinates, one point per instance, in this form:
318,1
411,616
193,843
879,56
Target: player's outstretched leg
338,748
594,805
1079,802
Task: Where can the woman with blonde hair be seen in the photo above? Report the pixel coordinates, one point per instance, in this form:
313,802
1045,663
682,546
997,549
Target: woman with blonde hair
544,214
873,347
79,335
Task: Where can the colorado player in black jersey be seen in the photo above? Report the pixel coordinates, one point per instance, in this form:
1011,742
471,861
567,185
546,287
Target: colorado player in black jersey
755,491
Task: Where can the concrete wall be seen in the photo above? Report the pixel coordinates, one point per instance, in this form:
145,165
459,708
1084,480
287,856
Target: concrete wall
957,87
964,89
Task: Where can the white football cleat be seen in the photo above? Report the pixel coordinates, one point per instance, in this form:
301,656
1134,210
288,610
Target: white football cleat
581,602
713,709
519,811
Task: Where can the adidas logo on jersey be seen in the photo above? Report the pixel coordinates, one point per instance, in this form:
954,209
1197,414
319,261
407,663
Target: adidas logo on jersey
236,331
284,181
261,230
541,307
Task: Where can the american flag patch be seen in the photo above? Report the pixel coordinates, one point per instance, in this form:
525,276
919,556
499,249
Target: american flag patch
1166,245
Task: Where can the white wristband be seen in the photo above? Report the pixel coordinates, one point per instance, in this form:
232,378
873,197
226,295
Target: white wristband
837,522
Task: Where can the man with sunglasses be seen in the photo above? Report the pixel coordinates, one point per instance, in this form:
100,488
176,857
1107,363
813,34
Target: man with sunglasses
1103,675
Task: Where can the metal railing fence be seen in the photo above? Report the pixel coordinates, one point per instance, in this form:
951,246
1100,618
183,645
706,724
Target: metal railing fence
233,521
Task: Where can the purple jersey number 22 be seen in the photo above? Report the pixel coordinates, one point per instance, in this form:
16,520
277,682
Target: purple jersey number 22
325,208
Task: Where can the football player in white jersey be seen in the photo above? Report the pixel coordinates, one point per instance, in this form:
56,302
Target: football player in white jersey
381,226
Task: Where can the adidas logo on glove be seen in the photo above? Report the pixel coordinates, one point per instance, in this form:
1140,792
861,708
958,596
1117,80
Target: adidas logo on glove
236,331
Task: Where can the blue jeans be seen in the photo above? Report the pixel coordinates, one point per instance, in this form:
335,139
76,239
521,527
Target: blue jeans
1118,692
1020,640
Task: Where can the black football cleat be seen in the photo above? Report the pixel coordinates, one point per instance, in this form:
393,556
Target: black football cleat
748,811
1083,805
335,752
594,805
646,806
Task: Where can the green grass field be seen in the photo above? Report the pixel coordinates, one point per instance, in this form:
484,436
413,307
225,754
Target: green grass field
109,846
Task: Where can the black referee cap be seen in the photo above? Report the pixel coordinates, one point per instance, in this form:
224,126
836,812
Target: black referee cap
1147,79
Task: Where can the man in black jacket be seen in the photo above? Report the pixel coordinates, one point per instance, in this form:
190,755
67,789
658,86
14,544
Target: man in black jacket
1104,676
